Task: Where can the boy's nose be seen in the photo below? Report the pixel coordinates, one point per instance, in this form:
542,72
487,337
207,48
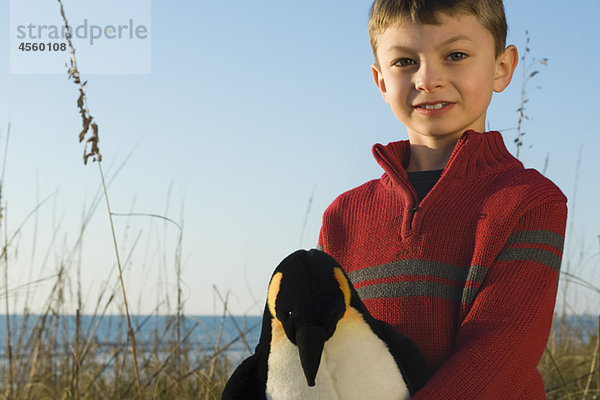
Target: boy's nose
428,77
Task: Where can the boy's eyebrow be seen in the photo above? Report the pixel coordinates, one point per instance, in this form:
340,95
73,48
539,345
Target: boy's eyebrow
456,38
446,42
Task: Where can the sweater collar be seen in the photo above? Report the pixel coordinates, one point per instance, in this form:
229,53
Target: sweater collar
475,154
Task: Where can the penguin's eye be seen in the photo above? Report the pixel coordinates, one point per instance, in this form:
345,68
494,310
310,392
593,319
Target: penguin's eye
284,314
288,315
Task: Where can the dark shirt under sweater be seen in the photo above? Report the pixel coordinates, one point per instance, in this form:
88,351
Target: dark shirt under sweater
424,181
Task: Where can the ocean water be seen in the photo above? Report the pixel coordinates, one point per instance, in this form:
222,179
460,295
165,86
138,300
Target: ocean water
582,326
199,333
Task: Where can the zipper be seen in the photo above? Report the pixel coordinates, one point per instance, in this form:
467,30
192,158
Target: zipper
411,215
412,208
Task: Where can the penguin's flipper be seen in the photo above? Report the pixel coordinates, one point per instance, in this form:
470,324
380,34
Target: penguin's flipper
412,363
245,382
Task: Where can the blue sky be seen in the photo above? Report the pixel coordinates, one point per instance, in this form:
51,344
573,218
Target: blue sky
250,109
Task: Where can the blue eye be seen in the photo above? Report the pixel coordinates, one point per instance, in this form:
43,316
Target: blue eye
404,62
457,56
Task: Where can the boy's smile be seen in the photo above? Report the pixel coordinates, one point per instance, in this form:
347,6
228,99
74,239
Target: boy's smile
439,79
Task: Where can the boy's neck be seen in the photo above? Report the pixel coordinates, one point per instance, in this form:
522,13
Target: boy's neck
429,153
424,158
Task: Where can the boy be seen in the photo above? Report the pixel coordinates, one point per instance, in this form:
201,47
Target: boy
457,245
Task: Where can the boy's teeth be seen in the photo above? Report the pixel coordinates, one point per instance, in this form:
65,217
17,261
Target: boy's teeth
434,106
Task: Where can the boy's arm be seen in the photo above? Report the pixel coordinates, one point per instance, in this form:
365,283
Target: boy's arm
502,338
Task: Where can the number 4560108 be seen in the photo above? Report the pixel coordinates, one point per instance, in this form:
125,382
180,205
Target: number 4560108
42,46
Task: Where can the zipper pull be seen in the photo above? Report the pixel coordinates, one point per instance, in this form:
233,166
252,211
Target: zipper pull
411,214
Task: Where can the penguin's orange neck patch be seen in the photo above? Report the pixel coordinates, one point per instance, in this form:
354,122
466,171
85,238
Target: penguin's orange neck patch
277,332
343,282
273,291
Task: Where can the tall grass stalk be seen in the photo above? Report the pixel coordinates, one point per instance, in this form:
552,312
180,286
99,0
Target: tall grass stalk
527,67
94,152
5,259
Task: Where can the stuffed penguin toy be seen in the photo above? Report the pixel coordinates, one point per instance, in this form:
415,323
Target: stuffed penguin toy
318,341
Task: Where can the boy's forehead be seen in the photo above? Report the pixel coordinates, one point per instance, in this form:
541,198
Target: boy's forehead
440,18
451,28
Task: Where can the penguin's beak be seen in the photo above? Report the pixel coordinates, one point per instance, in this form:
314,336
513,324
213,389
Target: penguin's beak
310,341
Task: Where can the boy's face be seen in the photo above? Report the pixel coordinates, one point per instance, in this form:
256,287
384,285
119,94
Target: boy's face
438,79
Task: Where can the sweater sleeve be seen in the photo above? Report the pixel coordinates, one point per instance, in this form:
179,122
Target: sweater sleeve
503,336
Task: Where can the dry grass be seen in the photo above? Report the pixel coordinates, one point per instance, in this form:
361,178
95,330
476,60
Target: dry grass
50,362
570,364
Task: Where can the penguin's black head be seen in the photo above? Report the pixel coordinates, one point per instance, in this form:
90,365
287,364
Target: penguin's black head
308,294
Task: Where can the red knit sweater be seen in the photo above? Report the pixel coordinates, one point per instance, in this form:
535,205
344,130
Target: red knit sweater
470,273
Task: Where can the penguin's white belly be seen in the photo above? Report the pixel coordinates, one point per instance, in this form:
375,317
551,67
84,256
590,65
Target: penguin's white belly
355,365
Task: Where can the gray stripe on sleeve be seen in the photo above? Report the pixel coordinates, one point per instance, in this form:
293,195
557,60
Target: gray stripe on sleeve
525,254
538,237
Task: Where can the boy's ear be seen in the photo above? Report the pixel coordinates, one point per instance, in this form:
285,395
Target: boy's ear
378,78
505,67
